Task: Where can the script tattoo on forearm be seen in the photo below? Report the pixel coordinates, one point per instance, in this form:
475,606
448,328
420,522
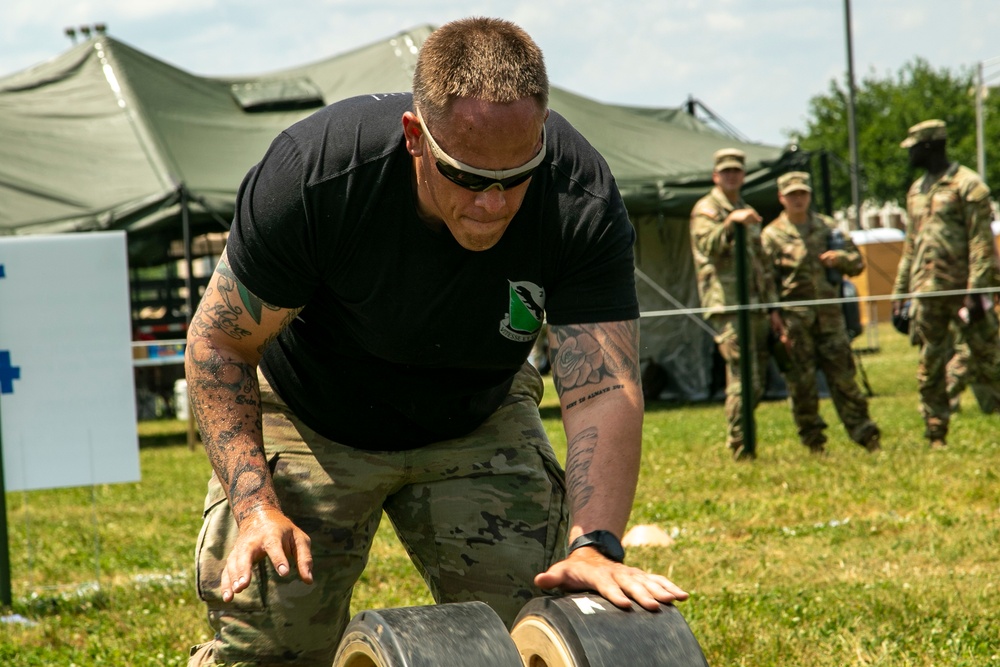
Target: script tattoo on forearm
591,354
579,457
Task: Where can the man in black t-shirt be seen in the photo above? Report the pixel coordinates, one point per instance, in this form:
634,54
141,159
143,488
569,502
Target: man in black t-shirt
362,348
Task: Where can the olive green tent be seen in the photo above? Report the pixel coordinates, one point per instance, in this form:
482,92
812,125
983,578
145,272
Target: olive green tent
104,136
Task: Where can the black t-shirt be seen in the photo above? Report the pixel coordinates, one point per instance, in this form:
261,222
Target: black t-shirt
405,337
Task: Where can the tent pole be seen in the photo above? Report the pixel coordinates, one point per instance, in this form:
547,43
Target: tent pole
189,285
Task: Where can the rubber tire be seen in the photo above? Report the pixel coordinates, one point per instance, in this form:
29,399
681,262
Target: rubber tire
585,630
460,633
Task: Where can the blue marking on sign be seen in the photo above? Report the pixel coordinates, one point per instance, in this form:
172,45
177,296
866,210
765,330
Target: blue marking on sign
8,373
2,275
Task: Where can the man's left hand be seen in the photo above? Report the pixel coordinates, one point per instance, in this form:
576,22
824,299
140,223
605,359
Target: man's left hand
777,324
829,259
587,570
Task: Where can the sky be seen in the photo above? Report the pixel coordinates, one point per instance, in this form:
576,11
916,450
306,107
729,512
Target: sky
754,63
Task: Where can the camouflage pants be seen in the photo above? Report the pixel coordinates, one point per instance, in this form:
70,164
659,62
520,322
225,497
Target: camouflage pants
727,339
961,372
930,322
814,348
479,516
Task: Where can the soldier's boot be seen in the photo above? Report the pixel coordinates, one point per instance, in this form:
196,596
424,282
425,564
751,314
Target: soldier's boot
873,443
815,444
741,453
872,439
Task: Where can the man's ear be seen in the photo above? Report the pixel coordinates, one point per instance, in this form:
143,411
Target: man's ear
413,133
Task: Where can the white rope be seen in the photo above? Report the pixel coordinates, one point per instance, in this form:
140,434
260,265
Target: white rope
816,302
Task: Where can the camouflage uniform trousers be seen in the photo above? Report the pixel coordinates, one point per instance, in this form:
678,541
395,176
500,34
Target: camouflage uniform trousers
813,348
727,339
930,329
961,372
479,516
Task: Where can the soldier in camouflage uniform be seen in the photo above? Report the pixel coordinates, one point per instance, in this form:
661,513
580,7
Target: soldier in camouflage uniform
361,349
961,367
713,244
810,256
949,246
958,372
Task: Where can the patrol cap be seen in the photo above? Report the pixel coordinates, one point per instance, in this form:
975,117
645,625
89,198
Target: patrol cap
730,158
793,181
928,130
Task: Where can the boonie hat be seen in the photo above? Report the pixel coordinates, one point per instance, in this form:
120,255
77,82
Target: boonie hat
730,158
928,130
794,181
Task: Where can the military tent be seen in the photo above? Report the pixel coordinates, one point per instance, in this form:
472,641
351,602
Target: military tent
104,136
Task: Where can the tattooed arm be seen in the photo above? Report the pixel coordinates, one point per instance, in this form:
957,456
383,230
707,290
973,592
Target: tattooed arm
225,341
596,372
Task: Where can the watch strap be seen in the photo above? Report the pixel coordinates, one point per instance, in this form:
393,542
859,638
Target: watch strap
603,541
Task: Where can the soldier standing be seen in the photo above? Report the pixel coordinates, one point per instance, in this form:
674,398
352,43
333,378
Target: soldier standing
809,257
949,246
712,242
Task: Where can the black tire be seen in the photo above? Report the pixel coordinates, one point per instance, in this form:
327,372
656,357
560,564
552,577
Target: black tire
466,633
585,630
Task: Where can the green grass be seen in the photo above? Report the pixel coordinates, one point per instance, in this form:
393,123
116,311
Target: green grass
890,560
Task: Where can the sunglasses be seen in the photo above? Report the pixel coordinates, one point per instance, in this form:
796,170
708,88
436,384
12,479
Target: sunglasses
480,180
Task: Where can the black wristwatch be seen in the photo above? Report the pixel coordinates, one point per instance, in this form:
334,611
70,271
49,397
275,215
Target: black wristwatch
604,542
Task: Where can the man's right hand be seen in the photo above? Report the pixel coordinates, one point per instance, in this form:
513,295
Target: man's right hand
266,532
744,216
975,307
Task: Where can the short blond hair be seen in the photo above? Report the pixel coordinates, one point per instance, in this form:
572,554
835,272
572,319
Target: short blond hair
481,58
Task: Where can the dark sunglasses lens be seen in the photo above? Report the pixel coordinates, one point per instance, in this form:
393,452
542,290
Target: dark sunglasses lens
516,180
478,183
469,181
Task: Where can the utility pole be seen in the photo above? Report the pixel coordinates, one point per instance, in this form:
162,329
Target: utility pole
981,93
852,128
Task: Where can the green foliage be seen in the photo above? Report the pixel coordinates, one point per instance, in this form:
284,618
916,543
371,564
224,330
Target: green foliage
849,559
885,107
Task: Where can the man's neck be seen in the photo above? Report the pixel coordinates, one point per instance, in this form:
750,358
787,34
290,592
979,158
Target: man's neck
937,166
733,196
937,171
797,218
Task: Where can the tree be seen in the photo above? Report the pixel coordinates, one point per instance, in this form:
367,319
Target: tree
884,109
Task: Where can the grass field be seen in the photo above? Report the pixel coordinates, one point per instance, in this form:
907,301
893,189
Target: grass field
852,559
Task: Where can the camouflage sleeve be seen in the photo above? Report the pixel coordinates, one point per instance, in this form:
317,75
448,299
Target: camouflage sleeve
982,251
768,286
850,262
708,234
768,243
902,284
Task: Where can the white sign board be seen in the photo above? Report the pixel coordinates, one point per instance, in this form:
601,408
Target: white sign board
67,388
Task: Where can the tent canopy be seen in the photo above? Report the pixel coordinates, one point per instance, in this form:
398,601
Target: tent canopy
104,136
